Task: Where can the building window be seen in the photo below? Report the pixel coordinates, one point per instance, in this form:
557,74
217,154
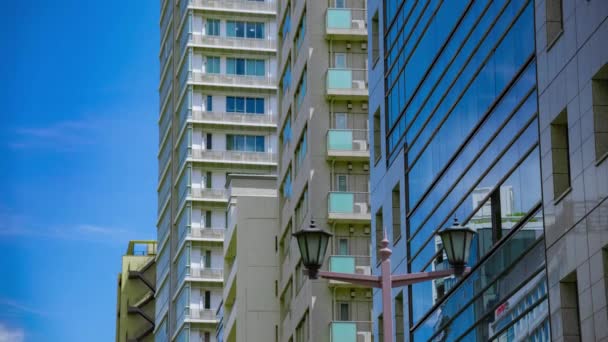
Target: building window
380,329
212,27
246,105
301,90
343,311
600,113
300,33
554,21
375,39
399,319
286,131
300,279
286,78
302,329
343,246
301,150
377,137
286,24
245,66
207,336
396,213
379,234
213,65
209,104
286,185
569,308
341,182
560,155
302,208
207,300
241,29
246,143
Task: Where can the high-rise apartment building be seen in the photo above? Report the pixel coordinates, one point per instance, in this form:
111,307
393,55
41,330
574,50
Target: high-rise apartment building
218,115
493,112
135,293
323,165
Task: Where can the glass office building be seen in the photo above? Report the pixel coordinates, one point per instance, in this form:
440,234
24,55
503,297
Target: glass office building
454,107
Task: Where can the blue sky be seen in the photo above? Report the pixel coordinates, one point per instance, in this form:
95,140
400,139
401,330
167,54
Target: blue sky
78,171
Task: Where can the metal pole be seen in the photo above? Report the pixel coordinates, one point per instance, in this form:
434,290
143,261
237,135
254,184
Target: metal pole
385,276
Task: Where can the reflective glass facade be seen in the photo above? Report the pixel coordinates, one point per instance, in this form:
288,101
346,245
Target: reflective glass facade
460,128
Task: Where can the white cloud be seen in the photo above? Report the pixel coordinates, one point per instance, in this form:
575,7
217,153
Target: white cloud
11,334
62,135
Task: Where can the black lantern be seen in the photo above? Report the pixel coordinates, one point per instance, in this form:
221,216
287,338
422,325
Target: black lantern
457,244
312,242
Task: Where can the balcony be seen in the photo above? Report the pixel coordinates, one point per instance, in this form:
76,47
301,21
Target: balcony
234,119
234,157
346,83
348,144
234,43
230,283
346,24
348,207
353,264
208,195
231,323
351,331
267,7
206,274
240,81
197,315
206,234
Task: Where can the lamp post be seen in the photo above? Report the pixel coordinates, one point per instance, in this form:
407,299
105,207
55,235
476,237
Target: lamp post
313,241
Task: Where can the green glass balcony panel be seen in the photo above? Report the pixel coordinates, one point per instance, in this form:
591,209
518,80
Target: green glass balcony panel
342,264
341,202
344,332
340,140
339,79
339,18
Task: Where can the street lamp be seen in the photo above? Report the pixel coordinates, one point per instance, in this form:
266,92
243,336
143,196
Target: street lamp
313,242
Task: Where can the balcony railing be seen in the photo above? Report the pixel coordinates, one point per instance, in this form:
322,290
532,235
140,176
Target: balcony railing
351,331
355,264
202,314
212,274
233,80
348,204
234,42
207,233
234,118
348,142
209,194
346,21
235,5
243,157
347,82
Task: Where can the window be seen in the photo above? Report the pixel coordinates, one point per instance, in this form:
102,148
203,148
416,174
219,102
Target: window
301,90
207,180
247,105
340,3
600,113
302,208
343,246
207,259
207,222
246,143
379,234
209,142
301,150
286,131
286,24
569,308
286,78
560,155
380,329
207,300
209,104
377,136
207,337
343,311
341,121
212,27
341,182
399,319
396,213
213,65
241,29
340,60
300,32
300,278
553,19
244,66
375,38
286,186
302,329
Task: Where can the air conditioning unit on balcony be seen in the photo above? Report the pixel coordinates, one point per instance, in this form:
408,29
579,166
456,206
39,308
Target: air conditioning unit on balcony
361,208
365,270
359,24
363,46
364,336
359,84
361,144
364,105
